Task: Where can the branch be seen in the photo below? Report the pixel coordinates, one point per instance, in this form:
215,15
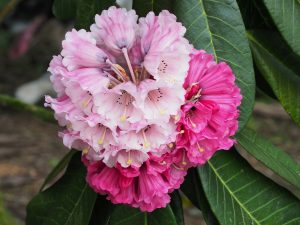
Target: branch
11,103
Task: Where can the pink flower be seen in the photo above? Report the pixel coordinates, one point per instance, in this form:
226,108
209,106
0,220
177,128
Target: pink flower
145,187
119,89
209,116
141,107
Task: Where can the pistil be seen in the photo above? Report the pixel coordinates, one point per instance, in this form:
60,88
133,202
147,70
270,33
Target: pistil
125,52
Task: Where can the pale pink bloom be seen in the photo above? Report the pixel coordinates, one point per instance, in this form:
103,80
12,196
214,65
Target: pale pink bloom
163,45
115,29
149,137
209,116
119,92
124,157
56,68
80,50
117,104
97,75
158,101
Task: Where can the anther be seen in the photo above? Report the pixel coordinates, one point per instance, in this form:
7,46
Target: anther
101,140
200,149
85,151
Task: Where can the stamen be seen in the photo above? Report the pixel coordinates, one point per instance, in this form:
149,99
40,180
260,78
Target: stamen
124,117
193,124
136,73
85,150
146,143
183,159
163,163
124,50
171,145
112,78
101,140
116,70
162,112
200,149
129,161
176,117
176,167
144,74
86,102
181,132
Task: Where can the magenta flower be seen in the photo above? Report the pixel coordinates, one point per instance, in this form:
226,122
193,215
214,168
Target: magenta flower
209,116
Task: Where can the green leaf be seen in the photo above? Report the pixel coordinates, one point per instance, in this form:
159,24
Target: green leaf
280,74
255,14
5,217
238,194
69,201
192,188
11,103
58,168
125,215
102,211
64,9
272,157
262,85
176,206
286,14
87,9
142,7
217,27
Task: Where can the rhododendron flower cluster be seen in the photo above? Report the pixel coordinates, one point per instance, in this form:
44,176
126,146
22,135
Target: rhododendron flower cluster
141,104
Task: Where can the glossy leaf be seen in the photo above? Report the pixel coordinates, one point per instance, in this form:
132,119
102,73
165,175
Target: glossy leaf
102,211
286,14
65,9
192,188
280,74
10,103
238,194
255,14
69,201
271,156
217,27
142,7
61,165
176,206
87,9
125,215
262,85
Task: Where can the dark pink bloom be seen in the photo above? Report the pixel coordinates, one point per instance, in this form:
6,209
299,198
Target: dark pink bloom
144,187
209,116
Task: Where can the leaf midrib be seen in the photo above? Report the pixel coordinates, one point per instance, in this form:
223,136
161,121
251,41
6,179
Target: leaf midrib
77,203
208,29
231,193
